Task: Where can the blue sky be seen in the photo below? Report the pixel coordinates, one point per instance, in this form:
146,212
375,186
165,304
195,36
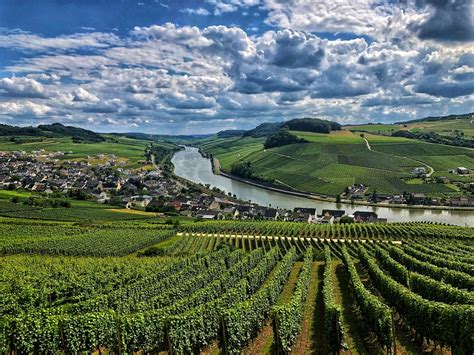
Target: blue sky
166,66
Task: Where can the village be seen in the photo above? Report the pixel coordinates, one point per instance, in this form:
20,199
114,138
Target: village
104,179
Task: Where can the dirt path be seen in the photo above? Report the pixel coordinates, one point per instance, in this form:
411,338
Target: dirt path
306,341
263,343
403,339
369,147
358,337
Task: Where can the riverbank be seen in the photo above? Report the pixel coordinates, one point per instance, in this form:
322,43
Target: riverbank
333,200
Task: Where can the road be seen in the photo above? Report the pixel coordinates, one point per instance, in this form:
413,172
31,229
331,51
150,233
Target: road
157,168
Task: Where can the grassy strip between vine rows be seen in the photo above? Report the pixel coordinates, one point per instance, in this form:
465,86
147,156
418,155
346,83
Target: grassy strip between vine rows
287,317
332,311
376,314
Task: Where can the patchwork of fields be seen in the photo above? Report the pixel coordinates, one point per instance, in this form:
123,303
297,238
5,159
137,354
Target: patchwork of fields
130,150
256,287
330,163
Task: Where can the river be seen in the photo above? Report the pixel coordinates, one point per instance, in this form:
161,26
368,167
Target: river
190,165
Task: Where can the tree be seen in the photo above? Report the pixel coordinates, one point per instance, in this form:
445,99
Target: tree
346,220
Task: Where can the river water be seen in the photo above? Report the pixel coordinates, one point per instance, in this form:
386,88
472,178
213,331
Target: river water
190,165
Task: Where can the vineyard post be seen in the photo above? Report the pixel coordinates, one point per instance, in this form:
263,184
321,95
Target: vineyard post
224,335
61,334
393,335
118,335
338,334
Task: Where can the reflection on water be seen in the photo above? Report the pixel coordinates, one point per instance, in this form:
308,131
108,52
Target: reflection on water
190,165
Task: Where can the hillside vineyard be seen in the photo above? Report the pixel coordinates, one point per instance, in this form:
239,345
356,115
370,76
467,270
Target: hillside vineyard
226,286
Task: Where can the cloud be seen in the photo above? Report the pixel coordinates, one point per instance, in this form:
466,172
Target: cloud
361,16
189,101
20,87
23,108
225,6
27,41
169,32
449,20
162,77
199,11
292,49
83,95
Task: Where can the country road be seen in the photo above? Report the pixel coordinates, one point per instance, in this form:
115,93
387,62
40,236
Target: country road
399,156
157,168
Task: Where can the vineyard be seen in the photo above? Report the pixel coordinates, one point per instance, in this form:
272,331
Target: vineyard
232,287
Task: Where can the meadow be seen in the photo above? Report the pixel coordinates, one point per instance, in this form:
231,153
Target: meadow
329,163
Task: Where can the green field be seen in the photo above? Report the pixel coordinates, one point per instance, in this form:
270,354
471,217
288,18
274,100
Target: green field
329,163
233,287
451,127
130,150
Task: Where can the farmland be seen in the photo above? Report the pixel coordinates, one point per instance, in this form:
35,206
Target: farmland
126,149
331,162
229,286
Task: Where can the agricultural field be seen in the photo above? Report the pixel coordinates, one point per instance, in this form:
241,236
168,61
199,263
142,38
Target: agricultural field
128,150
231,287
445,127
329,163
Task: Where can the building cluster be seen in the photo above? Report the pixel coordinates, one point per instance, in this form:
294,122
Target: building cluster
103,179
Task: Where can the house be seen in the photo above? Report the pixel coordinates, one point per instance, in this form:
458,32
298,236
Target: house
462,170
418,172
365,216
335,213
463,201
418,198
326,219
271,214
207,214
311,211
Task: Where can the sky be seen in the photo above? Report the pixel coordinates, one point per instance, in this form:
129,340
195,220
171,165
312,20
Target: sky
195,67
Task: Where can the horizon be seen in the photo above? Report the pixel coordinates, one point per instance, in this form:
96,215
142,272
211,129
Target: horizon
199,67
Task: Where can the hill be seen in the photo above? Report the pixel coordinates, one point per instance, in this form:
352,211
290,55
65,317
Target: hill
57,130
466,116
330,164
298,124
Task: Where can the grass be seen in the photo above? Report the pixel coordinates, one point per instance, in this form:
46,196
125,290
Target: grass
331,162
125,149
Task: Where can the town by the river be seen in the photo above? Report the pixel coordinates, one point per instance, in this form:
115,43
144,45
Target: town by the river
191,165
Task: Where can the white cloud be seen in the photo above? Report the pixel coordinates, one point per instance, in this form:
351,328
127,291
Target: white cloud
21,87
83,95
199,11
17,108
28,41
163,76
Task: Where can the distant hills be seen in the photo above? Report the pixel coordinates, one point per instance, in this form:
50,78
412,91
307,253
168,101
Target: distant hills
298,124
440,118
52,130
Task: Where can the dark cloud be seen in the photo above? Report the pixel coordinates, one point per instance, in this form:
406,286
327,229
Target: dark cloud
292,49
435,87
450,20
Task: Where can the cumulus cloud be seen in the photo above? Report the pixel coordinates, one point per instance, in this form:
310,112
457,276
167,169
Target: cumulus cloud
165,76
21,87
449,20
292,49
22,108
83,95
